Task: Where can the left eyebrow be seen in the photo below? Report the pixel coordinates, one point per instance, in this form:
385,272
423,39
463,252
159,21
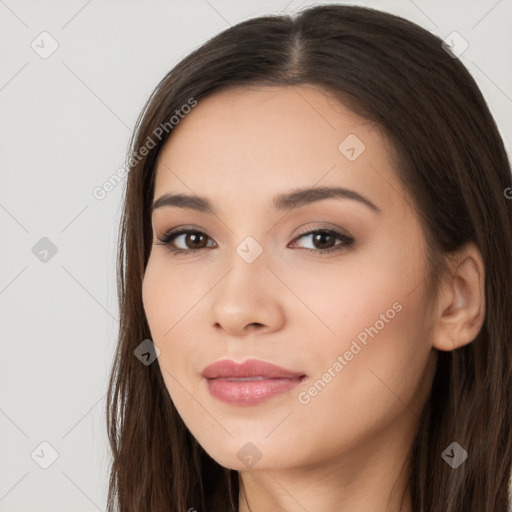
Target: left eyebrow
288,201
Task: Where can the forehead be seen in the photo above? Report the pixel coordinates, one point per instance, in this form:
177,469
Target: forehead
253,141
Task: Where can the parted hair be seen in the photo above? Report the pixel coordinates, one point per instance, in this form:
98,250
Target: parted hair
453,163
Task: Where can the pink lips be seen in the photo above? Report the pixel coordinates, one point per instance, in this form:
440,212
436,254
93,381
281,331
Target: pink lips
249,383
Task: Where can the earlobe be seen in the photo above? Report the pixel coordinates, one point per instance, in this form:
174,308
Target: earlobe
461,305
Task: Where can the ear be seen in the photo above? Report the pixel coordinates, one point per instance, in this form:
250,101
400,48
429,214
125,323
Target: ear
461,303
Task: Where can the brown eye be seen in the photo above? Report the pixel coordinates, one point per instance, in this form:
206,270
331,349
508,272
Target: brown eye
326,240
195,240
189,239
323,241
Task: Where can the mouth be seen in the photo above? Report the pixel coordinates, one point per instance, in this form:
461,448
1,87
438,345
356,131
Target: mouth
249,383
250,390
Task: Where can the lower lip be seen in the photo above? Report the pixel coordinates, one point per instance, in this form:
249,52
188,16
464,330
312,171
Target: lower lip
250,392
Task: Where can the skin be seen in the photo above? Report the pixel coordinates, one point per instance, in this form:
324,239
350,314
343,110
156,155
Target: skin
299,309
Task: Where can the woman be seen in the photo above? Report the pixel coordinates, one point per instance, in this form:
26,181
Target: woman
314,278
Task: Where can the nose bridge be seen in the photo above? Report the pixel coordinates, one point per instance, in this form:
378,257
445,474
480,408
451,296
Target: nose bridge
245,295
249,250
247,262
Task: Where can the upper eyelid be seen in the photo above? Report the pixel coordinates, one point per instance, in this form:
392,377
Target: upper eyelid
186,229
322,225
175,232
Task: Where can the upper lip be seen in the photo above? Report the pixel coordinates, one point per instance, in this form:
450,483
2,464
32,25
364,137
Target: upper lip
250,368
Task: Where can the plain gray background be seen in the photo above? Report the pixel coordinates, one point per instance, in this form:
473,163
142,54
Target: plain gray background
65,122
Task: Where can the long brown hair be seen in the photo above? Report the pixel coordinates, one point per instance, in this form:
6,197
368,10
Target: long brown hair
452,161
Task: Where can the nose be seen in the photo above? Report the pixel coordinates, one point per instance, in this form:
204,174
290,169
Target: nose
248,299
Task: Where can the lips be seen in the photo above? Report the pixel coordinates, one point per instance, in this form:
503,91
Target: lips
250,368
249,383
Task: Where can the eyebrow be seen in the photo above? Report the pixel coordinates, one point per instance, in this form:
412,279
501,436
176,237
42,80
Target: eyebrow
284,202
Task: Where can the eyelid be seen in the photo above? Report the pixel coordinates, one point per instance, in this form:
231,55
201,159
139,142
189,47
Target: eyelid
347,240
305,228
173,233
321,226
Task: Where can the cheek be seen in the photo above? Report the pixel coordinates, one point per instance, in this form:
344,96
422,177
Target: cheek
369,309
167,296
169,309
339,300
369,373
171,298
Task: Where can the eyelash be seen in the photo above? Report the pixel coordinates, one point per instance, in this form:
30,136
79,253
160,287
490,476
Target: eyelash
168,237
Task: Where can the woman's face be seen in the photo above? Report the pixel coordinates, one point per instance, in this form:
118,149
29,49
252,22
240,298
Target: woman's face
351,319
